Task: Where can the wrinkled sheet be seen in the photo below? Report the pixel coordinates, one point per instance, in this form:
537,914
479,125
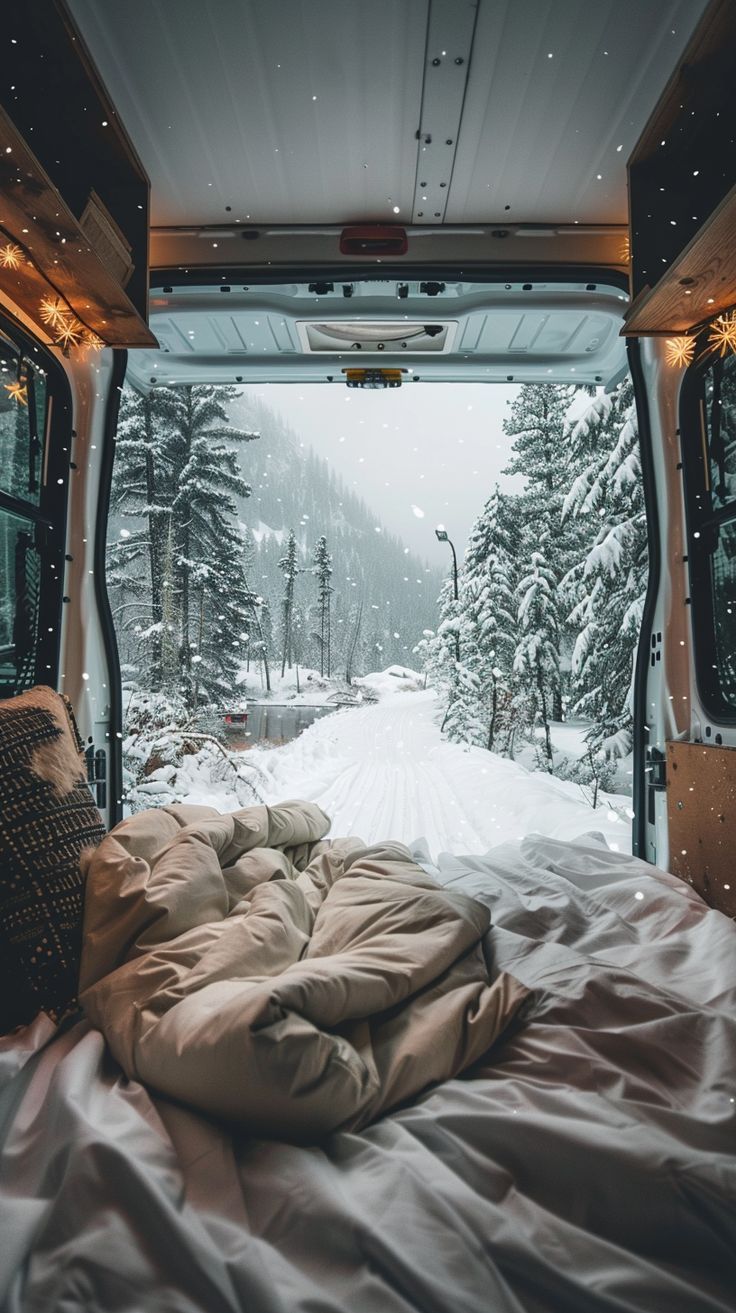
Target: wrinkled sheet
239,964
588,1169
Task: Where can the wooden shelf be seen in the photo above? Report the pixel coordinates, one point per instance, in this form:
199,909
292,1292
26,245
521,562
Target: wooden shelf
700,284
682,189
35,216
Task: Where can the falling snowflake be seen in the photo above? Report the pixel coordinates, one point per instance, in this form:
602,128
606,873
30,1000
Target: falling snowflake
417,510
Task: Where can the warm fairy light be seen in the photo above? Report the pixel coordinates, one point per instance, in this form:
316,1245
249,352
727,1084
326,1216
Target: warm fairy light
680,351
91,339
11,256
17,391
54,311
722,335
69,332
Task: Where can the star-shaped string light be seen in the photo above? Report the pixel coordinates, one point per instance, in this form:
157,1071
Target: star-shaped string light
17,391
722,335
69,332
91,340
11,255
54,311
680,351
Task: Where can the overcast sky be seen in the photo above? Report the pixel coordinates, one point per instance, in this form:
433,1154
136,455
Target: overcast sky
419,456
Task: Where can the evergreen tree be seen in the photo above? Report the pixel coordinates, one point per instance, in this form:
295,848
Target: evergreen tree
140,561
537,657
487,624
441,654
204,511
322,569
290,569
537,424
605,587
179,569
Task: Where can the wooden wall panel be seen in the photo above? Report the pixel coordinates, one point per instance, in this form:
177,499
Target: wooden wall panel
701,812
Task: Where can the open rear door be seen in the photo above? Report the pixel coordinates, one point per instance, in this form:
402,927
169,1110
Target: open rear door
682,330
73,297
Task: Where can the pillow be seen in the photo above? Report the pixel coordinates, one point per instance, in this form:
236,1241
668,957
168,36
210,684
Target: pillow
47,819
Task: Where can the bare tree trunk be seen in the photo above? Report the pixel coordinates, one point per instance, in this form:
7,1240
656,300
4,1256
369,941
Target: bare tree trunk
545,721
329,637
353,644
492,725
154,555
286,655
199,644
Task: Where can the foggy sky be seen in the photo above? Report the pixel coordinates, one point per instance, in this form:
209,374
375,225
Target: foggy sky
433,448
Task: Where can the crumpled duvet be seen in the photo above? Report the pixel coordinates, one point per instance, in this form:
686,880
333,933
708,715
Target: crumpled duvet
244,966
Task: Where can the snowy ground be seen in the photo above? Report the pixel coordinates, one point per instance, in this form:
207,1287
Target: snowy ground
385,771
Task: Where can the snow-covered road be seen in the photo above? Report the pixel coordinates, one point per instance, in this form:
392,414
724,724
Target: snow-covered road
384,771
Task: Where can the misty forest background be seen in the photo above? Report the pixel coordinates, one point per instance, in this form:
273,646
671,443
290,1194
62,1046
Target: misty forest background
236,553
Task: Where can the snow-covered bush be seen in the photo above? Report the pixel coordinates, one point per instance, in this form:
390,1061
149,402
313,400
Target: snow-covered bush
594,772
166,751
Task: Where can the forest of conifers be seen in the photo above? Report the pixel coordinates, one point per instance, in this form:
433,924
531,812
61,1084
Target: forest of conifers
233,548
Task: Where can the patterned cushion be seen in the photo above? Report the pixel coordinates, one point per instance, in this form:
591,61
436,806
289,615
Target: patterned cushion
47,818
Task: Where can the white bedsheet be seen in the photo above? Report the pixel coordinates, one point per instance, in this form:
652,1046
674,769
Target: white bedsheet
589,1168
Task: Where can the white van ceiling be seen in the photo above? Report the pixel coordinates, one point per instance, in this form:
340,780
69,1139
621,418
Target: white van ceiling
414,111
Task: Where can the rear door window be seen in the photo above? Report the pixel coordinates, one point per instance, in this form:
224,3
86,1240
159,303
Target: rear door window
22,423
709,459
33,487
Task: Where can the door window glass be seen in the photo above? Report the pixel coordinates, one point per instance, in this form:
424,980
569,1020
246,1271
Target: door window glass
723,595
22,424
33,489
709,458
20,569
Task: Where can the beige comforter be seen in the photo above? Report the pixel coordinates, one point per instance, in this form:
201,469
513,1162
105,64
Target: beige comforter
239,964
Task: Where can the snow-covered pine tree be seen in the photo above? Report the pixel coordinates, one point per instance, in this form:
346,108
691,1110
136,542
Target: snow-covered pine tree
537,425
179,569
139,562
208,552
220,633
441,653
290,569
605,587
487,620
537,657
322,569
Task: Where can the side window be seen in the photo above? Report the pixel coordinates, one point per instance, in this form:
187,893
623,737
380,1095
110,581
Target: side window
709,456
22,423
33,482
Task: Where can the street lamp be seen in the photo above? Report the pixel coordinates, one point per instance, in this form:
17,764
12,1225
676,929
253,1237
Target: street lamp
442,537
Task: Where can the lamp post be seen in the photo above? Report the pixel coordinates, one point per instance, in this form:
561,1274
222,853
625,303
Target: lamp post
442,537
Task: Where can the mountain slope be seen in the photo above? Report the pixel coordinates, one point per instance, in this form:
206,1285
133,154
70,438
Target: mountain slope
293,488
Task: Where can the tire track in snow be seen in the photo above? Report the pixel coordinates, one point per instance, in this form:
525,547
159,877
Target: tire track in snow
384,771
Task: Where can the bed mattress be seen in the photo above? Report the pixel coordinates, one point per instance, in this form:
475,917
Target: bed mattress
587,1166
